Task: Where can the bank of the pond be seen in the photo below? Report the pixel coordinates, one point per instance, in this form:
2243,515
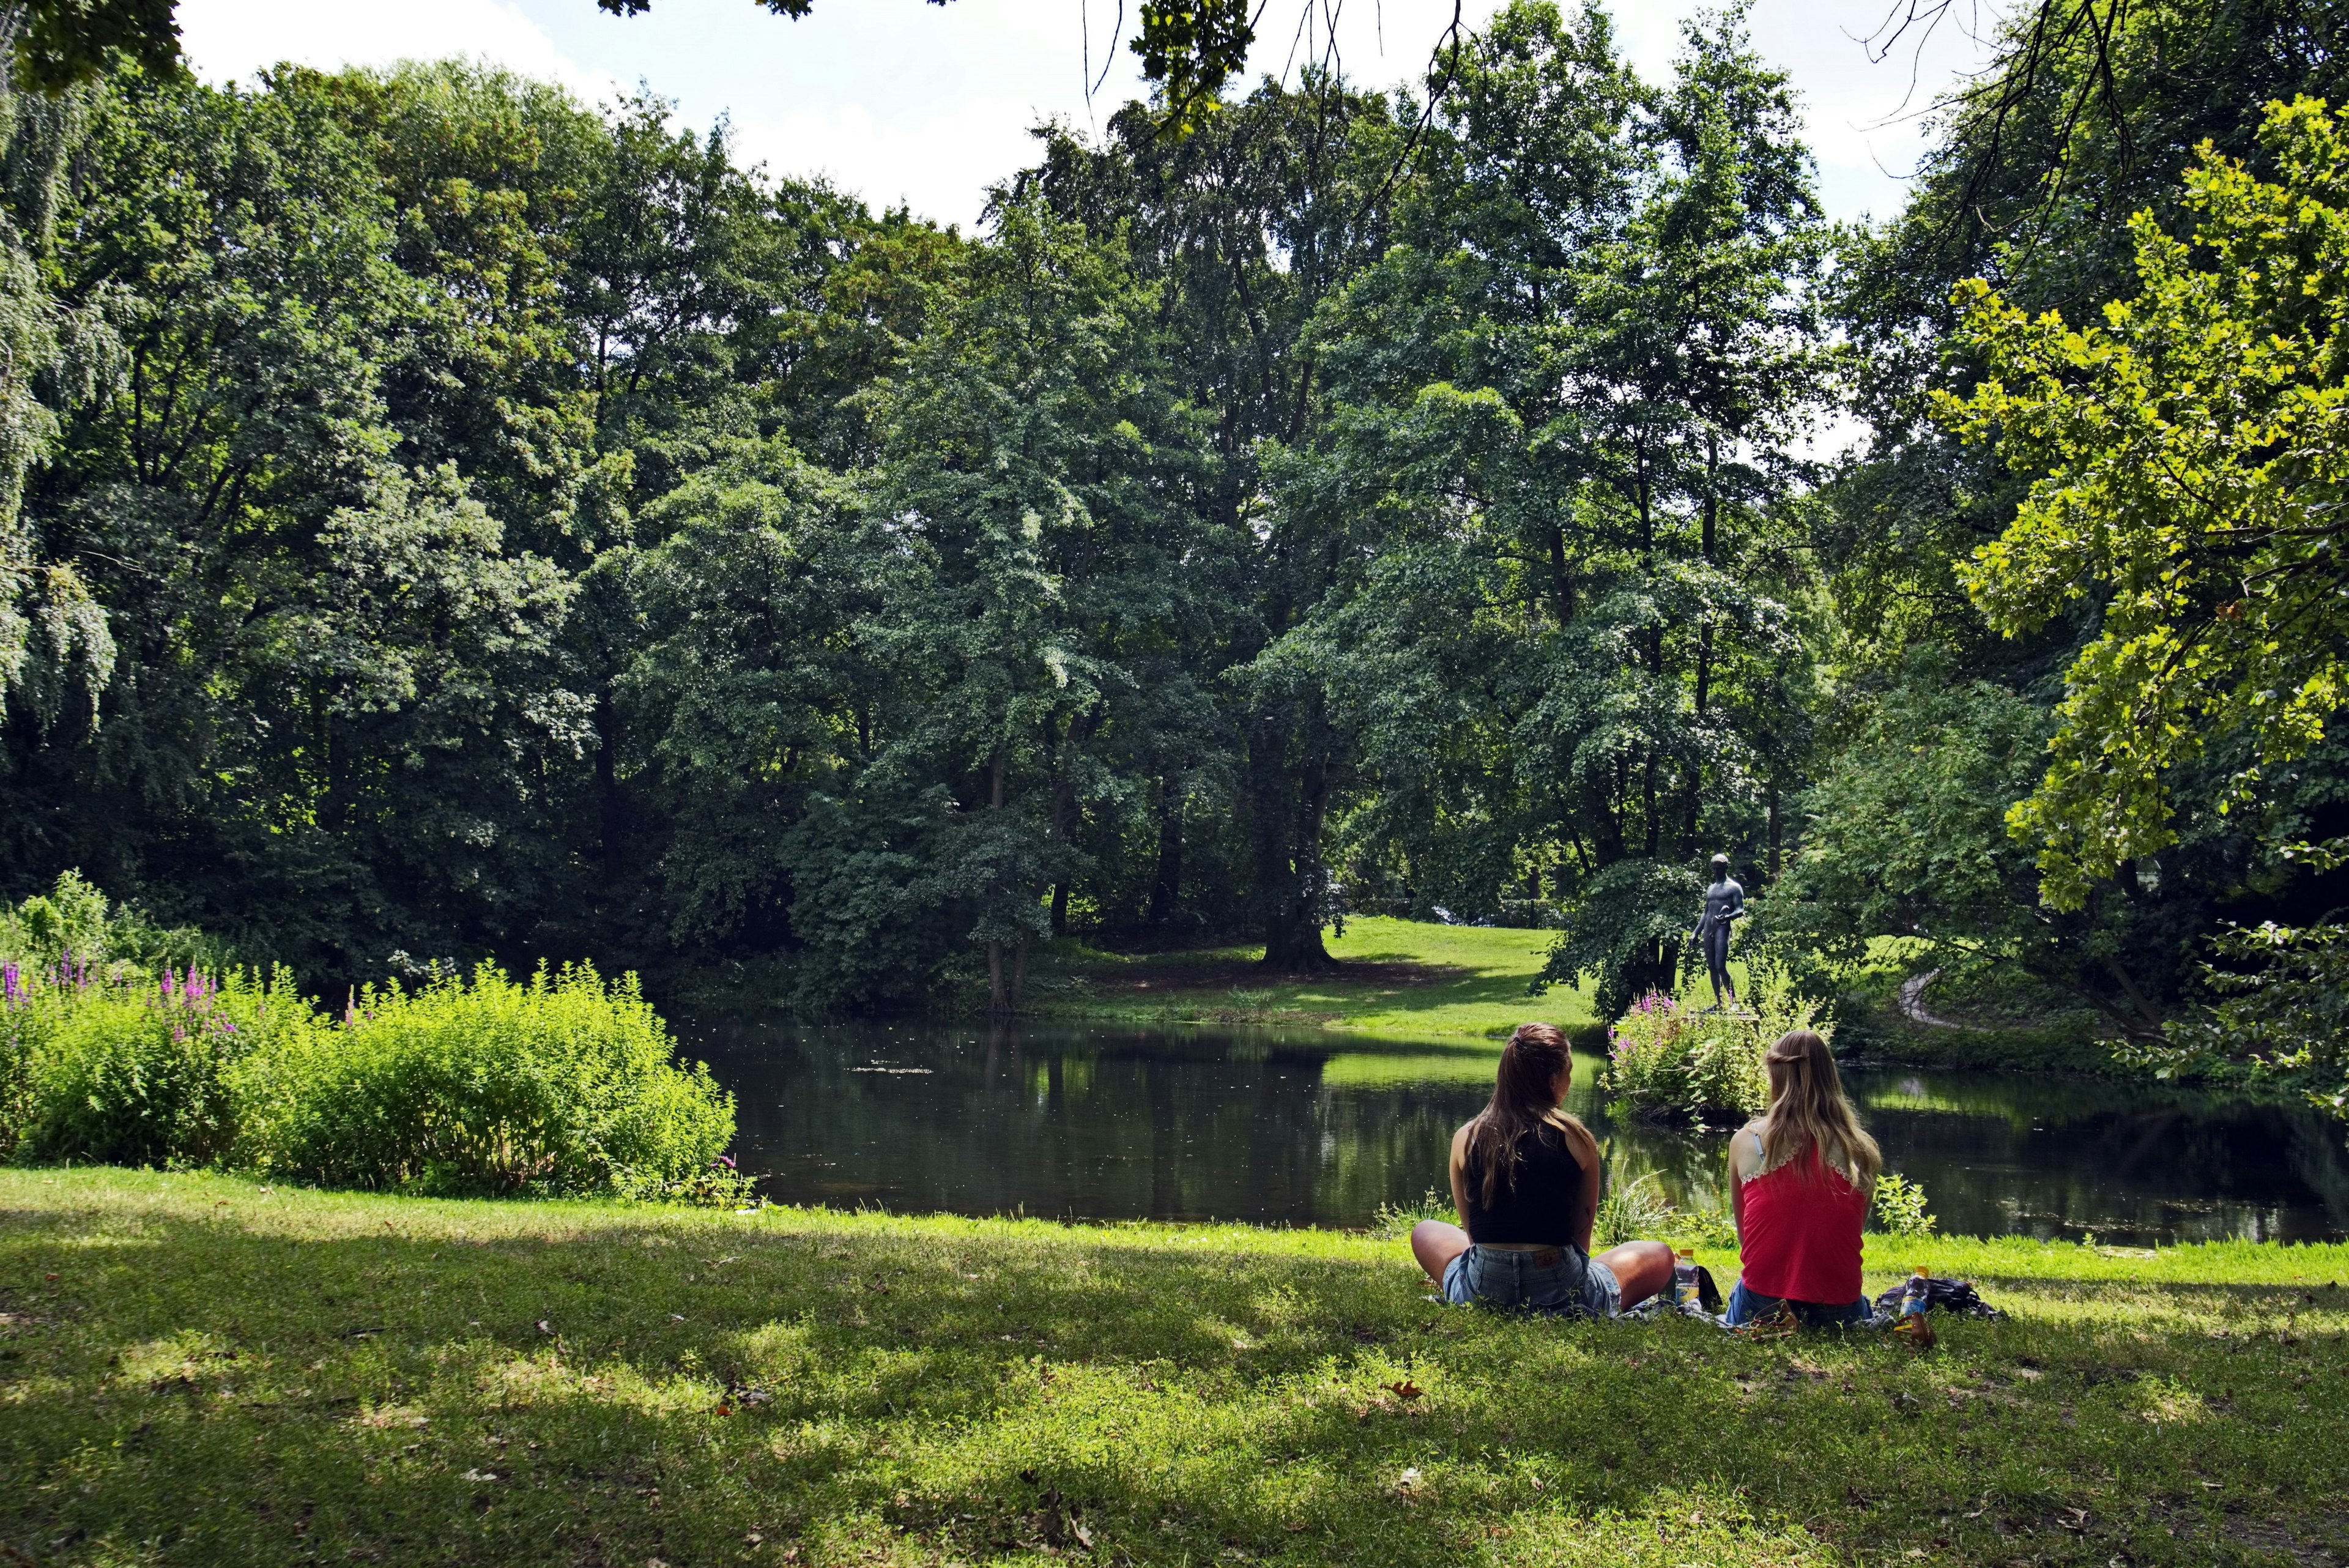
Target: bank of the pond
1413,979
200,1369
1396,980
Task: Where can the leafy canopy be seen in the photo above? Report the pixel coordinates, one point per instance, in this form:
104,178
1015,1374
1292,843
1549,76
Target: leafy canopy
2192,451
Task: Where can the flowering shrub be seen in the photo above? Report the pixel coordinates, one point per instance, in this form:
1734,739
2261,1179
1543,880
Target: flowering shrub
1669,1061
563,1083
103,1064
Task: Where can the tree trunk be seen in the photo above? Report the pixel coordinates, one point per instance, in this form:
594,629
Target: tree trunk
1268,813
999,994
611,807
1166,887
1647,798
1019,971
1310,878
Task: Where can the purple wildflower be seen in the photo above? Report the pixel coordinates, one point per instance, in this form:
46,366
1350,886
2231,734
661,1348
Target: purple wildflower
725,1160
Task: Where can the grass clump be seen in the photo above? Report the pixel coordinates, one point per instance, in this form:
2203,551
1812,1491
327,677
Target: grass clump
196,1370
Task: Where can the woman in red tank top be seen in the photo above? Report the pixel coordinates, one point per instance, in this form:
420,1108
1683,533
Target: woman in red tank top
1800,1177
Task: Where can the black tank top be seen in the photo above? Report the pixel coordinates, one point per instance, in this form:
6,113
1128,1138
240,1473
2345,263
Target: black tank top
1538,1207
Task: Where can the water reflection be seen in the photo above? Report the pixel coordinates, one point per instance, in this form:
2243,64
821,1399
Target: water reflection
1289,1128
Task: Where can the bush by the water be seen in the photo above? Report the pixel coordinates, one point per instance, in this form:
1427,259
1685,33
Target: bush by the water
562,1084
112,1065
1669,1061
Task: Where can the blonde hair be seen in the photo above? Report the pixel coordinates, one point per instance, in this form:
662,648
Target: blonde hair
1809,1111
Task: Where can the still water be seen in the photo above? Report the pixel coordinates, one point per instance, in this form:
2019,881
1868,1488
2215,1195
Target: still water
1309,1130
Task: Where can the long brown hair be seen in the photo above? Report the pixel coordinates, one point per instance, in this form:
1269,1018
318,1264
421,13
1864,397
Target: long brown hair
1808,1110
1522,1101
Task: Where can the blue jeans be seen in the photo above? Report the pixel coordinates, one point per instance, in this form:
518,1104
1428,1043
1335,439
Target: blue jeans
1556,1280
1745,1306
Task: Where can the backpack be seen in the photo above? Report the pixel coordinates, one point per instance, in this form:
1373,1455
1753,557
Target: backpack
1946,1296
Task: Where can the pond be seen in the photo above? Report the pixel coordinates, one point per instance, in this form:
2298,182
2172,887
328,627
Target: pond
1312,1129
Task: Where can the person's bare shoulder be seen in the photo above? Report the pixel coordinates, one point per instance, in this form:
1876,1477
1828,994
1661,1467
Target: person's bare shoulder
1742,1154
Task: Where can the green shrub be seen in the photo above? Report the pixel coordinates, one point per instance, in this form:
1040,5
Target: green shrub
1899,1207
73,923
561,1085
129,1071
1397,1220
1668,1061
1633,1211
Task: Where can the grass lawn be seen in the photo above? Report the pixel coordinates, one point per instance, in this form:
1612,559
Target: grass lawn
1397,979
199,1369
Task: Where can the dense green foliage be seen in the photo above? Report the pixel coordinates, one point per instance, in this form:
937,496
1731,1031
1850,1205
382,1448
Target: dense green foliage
1671,1059
561,1085
201,1372
444,522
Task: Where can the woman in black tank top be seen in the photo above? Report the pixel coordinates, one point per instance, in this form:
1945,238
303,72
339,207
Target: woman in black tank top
1524,1178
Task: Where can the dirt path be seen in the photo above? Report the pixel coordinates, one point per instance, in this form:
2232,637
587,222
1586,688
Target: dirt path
1911,999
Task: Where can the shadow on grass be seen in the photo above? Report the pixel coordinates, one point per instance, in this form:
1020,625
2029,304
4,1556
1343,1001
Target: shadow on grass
641,1387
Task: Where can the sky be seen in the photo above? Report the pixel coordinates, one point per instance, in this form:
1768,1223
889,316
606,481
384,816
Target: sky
904,101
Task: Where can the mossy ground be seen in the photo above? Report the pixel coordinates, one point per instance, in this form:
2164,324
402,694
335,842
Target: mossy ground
199,1369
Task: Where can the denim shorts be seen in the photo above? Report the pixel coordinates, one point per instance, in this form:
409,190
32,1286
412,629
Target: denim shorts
1557,1280
1745,1306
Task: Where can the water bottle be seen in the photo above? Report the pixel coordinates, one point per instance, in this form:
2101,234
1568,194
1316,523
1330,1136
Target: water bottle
1684,1278
1914,1298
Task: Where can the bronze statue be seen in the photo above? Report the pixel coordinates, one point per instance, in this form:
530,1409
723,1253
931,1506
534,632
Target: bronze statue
1724,901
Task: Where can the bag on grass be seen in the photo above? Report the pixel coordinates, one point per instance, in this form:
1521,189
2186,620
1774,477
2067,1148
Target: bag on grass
1957,1296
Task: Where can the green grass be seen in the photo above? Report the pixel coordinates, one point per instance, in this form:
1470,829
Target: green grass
1397,979
199,1369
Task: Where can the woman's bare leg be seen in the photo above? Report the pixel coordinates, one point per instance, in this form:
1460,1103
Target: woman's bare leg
1641,1268
1436,1244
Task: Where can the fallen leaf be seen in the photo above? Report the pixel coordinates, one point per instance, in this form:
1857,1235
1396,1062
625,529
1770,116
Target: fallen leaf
1404,1390
1084,1537
481,1475
723,1409
542,1327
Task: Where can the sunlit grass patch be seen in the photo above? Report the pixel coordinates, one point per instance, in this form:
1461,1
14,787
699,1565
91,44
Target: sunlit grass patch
293,1377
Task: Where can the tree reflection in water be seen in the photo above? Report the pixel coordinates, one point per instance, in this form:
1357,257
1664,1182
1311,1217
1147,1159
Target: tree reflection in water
1298,1128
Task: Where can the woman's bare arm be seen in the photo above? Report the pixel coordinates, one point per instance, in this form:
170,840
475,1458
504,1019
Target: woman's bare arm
1459,1173
1586,1209
1744,1159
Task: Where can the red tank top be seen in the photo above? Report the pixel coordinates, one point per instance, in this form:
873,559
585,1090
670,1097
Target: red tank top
1801,1237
